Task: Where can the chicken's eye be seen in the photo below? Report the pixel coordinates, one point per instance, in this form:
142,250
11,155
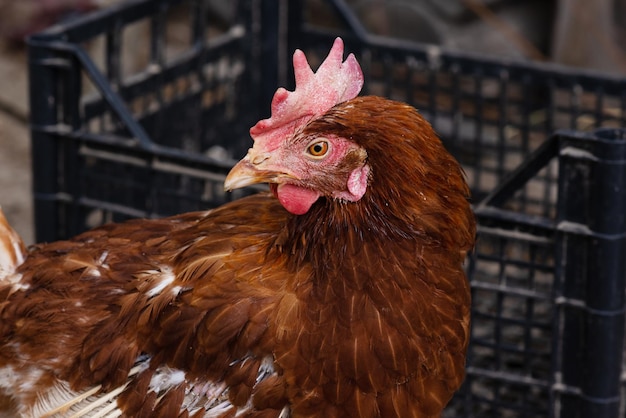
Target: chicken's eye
318,149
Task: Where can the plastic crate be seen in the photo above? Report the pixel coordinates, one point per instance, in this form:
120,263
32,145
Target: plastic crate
113,140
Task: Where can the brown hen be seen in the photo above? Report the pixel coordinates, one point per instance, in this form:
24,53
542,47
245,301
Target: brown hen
339,294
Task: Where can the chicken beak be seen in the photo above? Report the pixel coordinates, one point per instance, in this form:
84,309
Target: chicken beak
241,175
252,169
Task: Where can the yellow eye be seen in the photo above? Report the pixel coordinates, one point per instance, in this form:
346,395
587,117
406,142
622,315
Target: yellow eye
318,149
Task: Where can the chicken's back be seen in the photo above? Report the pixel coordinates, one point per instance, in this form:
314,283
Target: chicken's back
82,313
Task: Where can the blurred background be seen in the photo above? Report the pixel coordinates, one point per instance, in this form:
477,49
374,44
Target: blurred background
579,33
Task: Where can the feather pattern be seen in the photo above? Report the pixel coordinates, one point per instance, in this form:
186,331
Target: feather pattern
12,249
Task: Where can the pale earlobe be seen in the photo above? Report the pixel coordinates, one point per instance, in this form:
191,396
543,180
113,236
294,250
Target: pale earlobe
357,182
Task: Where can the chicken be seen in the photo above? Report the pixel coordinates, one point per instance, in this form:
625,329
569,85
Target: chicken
338,293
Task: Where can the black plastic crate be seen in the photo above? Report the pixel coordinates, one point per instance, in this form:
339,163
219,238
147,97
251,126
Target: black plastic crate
153,131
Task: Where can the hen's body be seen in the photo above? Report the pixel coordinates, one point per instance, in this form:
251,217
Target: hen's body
180,289
351,309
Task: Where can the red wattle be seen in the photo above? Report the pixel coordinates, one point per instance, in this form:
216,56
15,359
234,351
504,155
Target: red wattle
296,200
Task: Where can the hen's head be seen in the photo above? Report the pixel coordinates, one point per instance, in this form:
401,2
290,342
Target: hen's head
324,143
299,167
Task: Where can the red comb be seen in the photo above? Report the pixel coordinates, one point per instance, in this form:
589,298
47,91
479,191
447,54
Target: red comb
334,82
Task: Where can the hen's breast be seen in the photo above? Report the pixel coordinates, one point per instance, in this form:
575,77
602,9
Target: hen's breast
382,333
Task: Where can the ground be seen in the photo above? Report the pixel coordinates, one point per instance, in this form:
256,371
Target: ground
15,178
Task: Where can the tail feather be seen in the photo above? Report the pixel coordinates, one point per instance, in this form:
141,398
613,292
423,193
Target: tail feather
12,248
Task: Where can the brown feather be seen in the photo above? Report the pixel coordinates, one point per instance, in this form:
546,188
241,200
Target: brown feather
134,398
